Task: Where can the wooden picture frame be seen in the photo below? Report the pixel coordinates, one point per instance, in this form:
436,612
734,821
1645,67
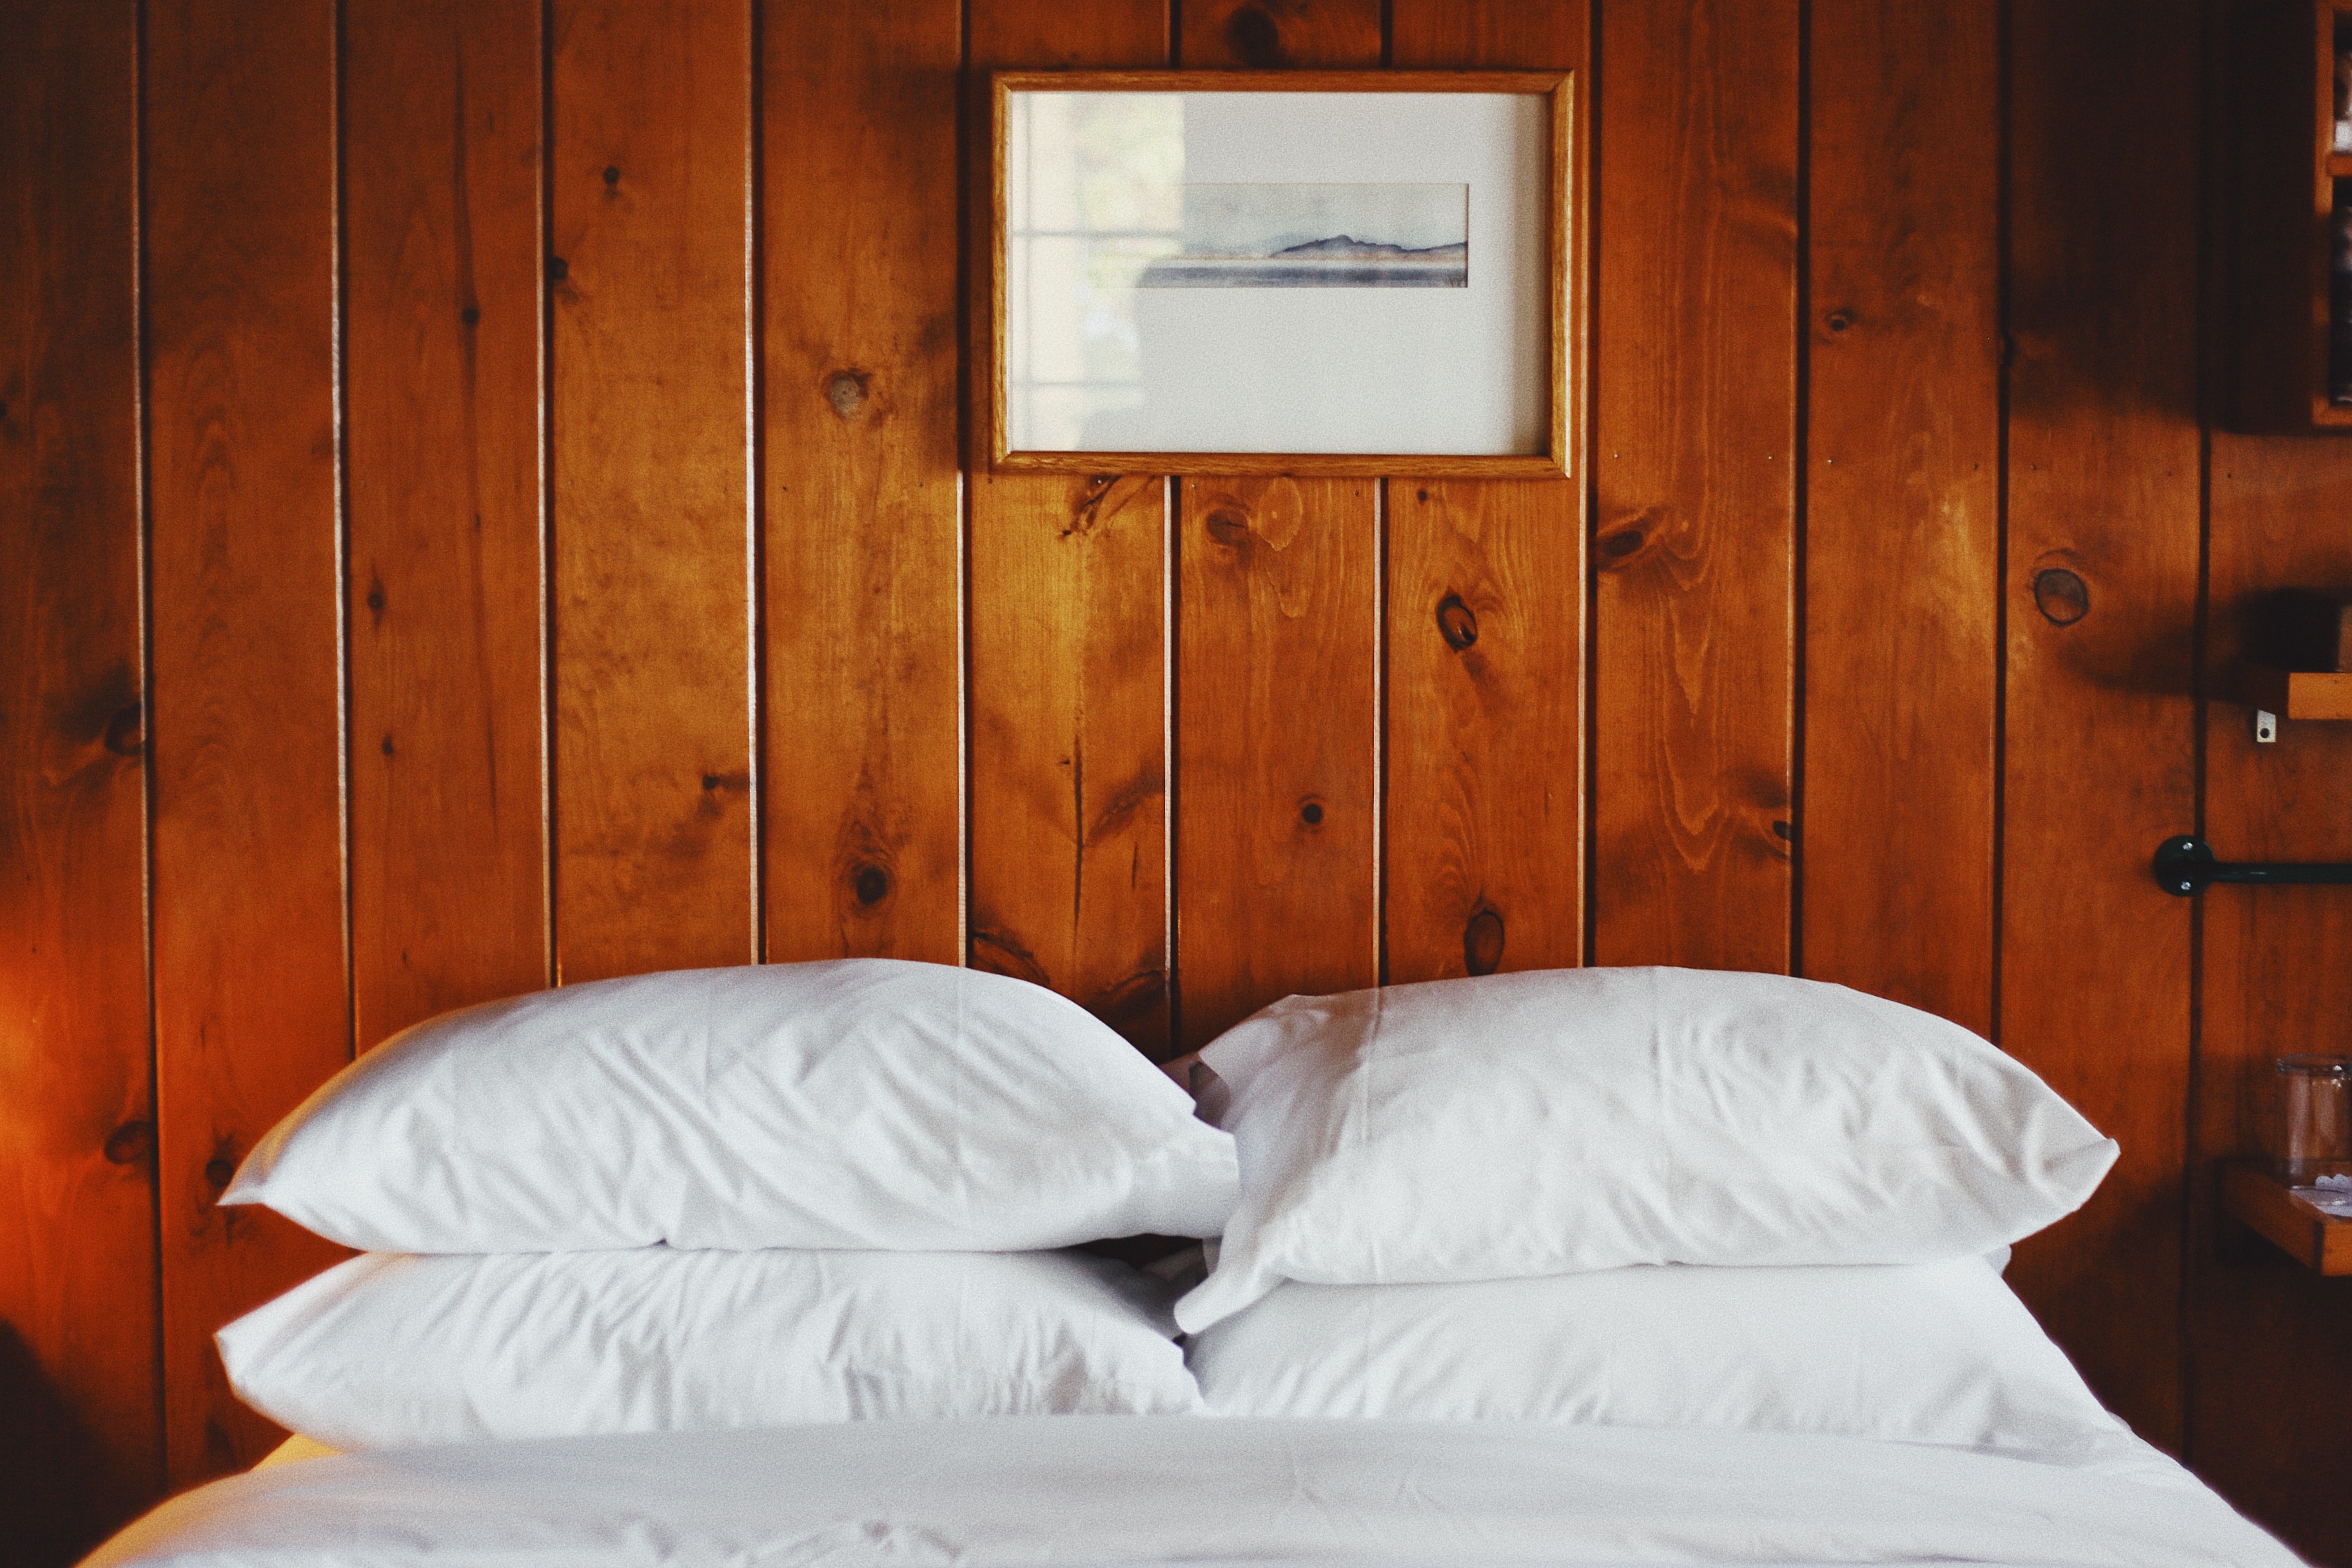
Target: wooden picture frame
1492,249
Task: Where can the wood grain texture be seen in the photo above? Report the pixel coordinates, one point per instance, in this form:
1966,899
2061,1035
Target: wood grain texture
1069,805
1277,695
443,354
1484,819
1694,411
864,845
1490,34
2269,1362
1273,34
251,1010
77,1366
1277,714
1902,504
1068,679
1485,822
2103,580
650,443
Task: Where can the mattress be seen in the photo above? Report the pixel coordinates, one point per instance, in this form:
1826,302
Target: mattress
1192,1489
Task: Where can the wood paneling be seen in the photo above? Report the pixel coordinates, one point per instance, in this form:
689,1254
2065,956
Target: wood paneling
1485,817
1903,495
251,1009
1069,850
651,475
1069,805
1694,462
2100,759
662,628
443,350
864,841
1277,706
1218,35
77,1369
1278,692
2270,1363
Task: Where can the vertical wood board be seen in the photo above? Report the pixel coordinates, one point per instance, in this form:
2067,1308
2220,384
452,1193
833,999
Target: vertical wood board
1902,525
650,500
1277,708
251,1009
443,354
1068,681
864,840
1694,456
2102,580
1485,697
78,1368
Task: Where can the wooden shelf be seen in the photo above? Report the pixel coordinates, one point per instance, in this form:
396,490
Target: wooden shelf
2260,1200
2339,166
2295,694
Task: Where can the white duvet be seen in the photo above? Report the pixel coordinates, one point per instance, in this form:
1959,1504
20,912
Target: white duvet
1101,1491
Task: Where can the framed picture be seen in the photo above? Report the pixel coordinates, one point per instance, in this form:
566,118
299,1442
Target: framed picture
1301,272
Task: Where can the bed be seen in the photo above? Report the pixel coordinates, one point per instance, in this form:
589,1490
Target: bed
1586,1268
1168,1489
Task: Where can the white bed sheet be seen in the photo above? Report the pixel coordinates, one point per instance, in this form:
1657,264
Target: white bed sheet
1102,1491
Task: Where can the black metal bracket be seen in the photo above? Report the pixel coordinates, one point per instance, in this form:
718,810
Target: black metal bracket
2185,866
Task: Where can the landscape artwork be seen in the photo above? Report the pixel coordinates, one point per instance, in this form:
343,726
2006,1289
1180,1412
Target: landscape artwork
1318,236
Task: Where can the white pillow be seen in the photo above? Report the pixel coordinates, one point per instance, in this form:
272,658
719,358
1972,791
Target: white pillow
1568,1119
388,1350
859,1103
1923,1353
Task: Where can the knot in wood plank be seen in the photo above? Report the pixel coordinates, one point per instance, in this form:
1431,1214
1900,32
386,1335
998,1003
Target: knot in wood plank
1229,526
1456,623
1618,547
1000,952
2060,596
1255,37
847,391
126,733
1482,940
130,1143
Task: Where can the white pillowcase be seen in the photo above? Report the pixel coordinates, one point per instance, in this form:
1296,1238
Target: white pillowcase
387,1351
1571,1120
856,1103
1923,1352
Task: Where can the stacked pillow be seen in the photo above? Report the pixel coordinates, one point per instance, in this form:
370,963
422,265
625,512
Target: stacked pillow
730,1197
1645,1196
839,1190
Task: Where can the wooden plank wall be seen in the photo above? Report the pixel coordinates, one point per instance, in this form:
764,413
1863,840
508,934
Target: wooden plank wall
79,1380
523,528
